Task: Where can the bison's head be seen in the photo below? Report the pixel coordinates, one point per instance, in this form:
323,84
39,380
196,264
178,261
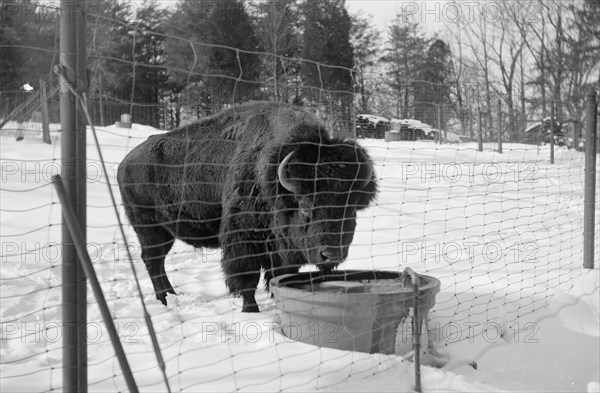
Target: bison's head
320,189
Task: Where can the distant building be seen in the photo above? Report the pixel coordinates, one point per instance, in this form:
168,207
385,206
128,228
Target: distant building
371,126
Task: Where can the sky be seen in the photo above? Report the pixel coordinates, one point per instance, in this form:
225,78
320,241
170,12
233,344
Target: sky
432,14
383,12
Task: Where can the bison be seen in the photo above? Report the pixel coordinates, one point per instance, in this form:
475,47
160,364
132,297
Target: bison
263,181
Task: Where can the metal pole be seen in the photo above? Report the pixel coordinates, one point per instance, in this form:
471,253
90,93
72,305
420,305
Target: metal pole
445,128
73,329
591,117
101,101
417,333
417,323
73,226
577,126
489,124
439,121
552,114
480,133
45,117
81,191
471,132
499,126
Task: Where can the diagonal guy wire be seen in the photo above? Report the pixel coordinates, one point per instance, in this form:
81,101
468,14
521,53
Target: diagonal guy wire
84,106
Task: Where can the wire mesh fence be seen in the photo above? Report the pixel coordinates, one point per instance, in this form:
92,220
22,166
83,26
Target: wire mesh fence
502,231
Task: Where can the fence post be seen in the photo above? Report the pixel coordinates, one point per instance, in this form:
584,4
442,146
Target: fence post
101,104
480,133
439,121
73,278
499,126
443,116
489,124
577,126
471,132
591,117
81,189
44,107
552,114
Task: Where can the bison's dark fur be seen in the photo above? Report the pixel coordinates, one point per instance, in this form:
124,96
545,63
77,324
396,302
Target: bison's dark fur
216,183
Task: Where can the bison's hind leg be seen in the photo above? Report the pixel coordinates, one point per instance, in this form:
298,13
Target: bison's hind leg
156,243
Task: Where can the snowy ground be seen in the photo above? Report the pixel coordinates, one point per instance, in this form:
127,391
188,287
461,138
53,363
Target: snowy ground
503,233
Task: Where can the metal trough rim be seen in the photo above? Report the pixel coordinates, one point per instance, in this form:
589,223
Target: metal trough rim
296,280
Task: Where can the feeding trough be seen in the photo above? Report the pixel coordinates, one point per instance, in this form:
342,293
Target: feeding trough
356,310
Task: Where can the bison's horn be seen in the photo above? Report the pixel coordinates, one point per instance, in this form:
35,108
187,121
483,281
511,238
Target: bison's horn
365,172
281,172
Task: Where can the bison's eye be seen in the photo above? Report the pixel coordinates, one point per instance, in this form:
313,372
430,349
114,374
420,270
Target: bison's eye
305,212
305,208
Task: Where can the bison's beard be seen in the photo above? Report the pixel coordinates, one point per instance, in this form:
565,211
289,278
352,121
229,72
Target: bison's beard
297,247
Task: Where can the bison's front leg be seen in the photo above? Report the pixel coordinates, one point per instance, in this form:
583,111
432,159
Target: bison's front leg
241,265
244,252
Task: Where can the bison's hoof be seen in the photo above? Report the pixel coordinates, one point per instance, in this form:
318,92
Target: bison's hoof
163,300
250,308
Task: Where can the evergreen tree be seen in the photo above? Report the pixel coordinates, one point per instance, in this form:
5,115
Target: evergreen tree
432,88
365,41
110,50
150,76
327,28
327,77
226,75
404,54
12,58
27,42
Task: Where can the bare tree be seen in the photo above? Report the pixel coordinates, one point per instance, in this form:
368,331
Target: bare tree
365,39
478,33
507,52
466,94
565,46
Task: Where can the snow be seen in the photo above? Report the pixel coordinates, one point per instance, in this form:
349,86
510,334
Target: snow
503,233
533,126
373,118
413,123
578,308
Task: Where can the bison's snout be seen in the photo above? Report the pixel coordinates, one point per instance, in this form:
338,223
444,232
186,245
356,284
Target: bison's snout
330,257
332,253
